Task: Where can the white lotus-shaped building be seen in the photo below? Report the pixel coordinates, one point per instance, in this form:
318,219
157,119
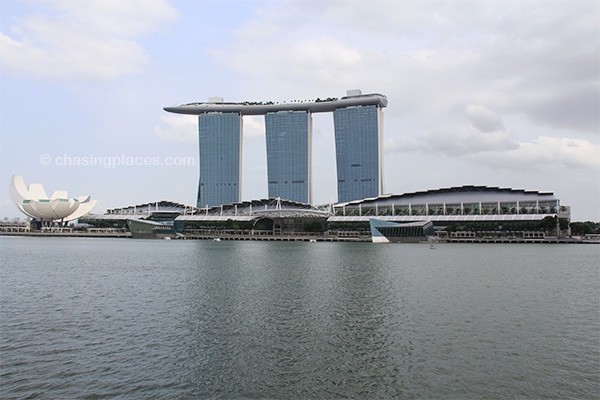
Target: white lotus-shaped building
35,203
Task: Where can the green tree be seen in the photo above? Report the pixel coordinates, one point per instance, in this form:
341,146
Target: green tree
580,228
231,224
548,224
313,226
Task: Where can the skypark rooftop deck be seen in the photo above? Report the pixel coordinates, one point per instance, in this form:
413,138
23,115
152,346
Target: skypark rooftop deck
262,108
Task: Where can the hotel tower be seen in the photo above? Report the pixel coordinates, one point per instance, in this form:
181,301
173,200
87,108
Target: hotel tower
358,122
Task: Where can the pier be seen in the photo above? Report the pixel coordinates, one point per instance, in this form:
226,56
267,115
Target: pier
118,234
98,233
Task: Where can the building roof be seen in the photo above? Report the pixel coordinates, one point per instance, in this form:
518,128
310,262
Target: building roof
163,206
273,208
239,211
445,218
456,194
262,108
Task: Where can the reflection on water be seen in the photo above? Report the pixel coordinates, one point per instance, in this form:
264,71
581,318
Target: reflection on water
102,317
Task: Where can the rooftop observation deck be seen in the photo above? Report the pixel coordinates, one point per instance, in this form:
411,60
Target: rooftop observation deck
262,108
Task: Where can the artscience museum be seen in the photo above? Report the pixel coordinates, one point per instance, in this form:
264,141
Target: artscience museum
35,203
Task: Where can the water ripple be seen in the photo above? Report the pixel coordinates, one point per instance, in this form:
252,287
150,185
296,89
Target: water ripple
155,319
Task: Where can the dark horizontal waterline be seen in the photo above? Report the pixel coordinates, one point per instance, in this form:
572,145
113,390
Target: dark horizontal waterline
301,238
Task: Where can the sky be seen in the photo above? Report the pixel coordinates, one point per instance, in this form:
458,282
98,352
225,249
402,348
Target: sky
497,93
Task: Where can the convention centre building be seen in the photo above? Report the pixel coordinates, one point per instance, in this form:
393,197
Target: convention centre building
465,207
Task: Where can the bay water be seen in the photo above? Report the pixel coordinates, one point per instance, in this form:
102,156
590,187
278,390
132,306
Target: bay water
185,319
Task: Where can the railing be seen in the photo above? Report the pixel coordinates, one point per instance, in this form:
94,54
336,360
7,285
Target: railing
500,208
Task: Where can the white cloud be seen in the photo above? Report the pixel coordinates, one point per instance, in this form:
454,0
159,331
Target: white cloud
129,18
457,141
178,128
184,128
485,142
499,150
484,133
254,127
483,118
429,57
545,154
89,40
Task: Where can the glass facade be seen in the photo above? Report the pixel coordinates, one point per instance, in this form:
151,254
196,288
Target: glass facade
220,139
288,135
358,152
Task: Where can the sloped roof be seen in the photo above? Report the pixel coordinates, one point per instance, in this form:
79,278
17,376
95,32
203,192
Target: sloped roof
456,194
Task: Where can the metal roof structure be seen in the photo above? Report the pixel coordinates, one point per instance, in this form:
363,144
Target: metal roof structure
457,194
262,108
260,208
203,217
163,206
467,203
444,218
239,211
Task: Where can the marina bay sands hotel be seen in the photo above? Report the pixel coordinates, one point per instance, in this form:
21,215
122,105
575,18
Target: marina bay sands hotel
358,125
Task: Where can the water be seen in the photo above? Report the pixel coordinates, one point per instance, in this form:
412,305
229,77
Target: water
122,318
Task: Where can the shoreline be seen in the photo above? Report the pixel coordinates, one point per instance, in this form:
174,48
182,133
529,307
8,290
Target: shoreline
298,238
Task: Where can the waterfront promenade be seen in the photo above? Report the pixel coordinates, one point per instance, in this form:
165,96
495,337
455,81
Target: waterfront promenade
119,234
297,238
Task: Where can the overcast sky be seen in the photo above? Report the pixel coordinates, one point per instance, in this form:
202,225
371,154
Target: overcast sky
498,93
